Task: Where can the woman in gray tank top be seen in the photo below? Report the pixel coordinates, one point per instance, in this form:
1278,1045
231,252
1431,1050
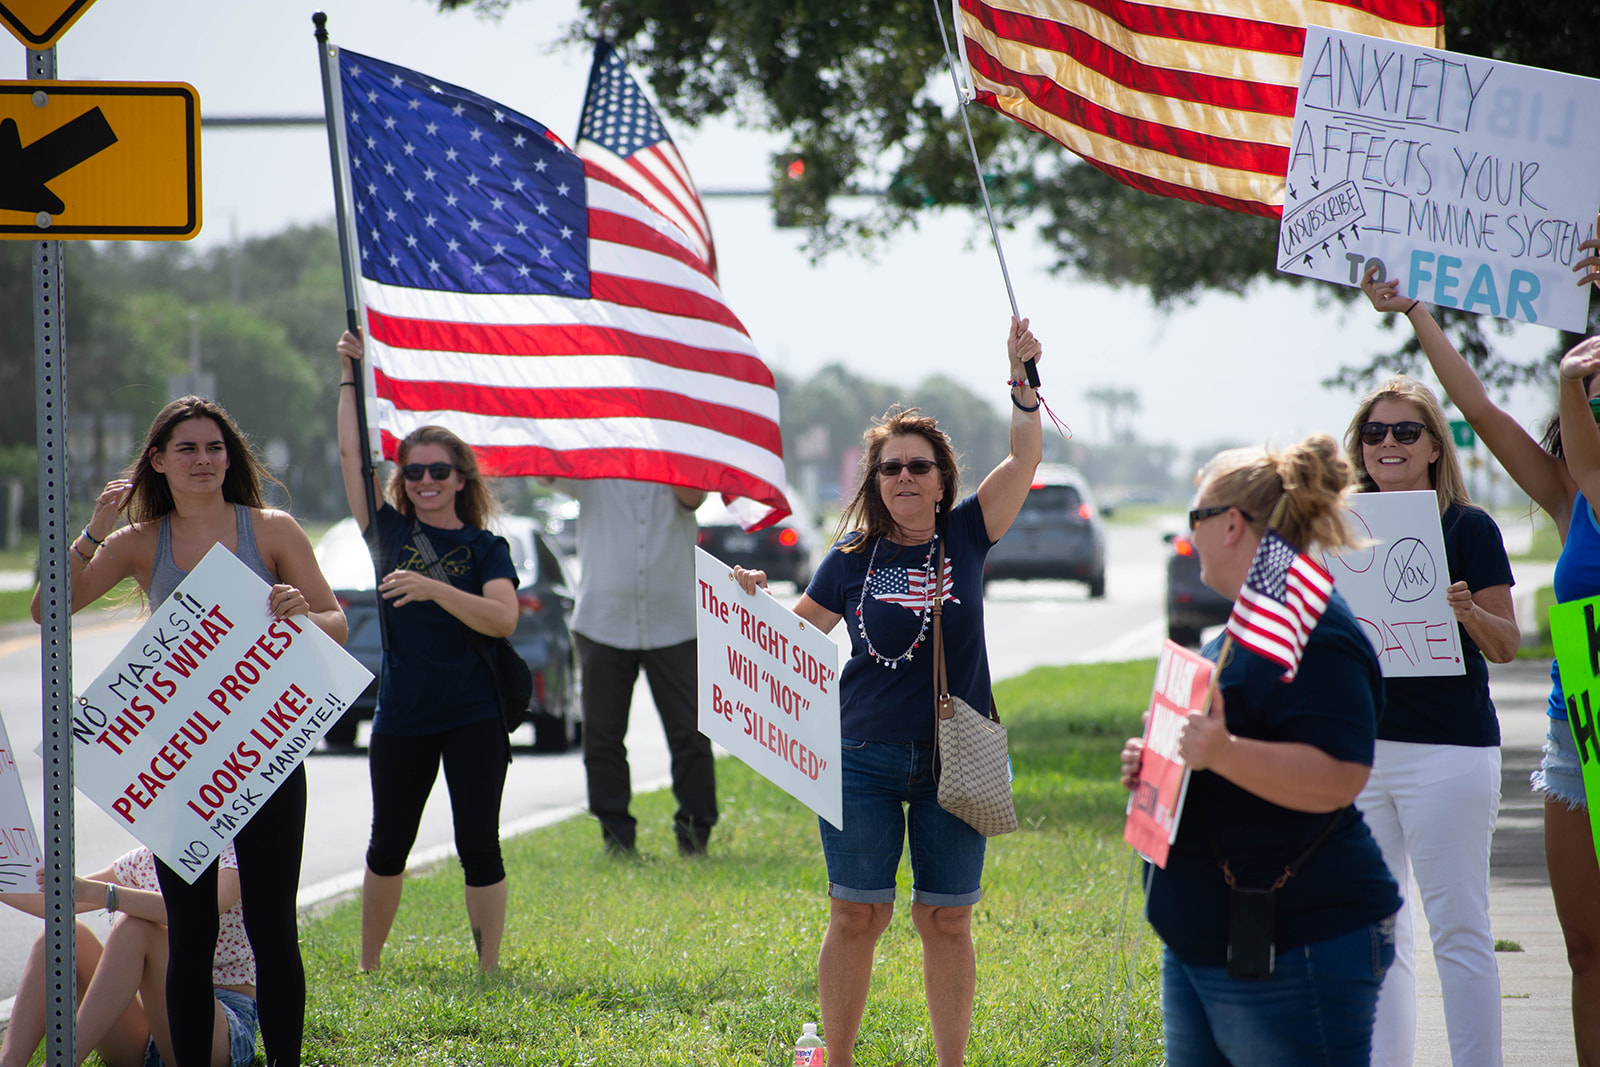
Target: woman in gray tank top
196,484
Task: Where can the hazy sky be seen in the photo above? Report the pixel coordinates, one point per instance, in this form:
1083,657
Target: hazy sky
933,301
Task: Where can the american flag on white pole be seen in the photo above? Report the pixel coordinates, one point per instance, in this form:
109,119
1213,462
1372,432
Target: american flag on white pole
1283,596
532,302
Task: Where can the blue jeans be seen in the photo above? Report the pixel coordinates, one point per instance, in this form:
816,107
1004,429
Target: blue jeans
890,795
1316,1010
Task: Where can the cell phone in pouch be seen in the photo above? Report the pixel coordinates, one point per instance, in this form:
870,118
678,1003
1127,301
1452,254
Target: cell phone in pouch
1251,953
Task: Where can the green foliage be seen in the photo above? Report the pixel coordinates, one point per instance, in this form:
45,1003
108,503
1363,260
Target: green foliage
714,962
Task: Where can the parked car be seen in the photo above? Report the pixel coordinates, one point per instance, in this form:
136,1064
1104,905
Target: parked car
1057,534
1191,604
788,550
544,601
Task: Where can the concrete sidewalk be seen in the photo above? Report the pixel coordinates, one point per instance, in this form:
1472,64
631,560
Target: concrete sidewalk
1535,984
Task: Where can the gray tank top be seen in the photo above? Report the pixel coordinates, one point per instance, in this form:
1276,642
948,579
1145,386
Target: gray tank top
165,575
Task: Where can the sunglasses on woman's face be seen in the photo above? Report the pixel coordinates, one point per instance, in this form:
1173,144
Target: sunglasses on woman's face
1405,433
437,471
891,468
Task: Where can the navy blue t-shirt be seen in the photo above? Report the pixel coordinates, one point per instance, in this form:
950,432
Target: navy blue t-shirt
1456,709
433,680
1332,704
877,703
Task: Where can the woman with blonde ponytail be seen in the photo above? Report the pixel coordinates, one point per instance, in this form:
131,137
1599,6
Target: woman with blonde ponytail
1270,844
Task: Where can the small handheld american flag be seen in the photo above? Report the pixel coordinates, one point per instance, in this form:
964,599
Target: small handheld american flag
1283,596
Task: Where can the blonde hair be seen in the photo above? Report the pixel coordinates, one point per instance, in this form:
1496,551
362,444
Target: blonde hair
1444,473
475,503
1311,479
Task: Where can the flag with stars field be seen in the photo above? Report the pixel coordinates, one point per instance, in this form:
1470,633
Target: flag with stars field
535,303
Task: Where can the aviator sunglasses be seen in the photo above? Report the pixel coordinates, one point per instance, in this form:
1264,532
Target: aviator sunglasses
1405,433
891,468
437,471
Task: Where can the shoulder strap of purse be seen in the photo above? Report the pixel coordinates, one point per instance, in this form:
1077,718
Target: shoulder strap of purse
425,550
942,707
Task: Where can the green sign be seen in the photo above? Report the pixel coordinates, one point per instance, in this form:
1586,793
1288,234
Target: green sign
1461,430
1575,631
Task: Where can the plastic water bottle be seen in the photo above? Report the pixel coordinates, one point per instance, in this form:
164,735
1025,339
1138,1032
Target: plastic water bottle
809,1051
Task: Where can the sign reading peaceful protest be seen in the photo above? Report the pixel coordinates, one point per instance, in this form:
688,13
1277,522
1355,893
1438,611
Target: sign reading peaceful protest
19,843
1472,181
1575,632
769,689
1154,808
1396,584
205,712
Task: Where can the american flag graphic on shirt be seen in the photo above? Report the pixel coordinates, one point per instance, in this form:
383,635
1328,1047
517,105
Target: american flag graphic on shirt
908,586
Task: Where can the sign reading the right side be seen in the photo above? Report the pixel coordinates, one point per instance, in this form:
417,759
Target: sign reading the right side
1472,181
1575,632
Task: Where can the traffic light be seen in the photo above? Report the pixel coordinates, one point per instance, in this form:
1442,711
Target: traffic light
797,196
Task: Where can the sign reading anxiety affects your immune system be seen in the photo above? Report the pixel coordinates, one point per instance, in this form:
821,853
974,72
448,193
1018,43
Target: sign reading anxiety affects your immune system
1470,180
205,712
769,689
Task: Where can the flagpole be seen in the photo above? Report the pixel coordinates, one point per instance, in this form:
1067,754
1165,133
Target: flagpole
961,102
352,316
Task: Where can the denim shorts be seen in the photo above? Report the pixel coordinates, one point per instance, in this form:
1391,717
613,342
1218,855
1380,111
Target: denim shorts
889,792
1560,777
240,1011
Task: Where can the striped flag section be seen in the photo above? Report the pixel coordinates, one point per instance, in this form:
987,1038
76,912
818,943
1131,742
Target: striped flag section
532,302
1191,99
1283,596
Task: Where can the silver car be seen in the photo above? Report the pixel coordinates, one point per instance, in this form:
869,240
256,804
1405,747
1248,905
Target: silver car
1057,534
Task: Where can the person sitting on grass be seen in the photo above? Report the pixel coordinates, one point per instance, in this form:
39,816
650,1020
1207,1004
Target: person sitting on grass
122,1006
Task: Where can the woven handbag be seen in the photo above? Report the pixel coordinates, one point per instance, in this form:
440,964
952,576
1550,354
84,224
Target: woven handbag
974,770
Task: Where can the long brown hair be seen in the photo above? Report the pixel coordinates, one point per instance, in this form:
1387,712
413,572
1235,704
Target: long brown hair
151,497
866,513
475,503
1314,477
1444,473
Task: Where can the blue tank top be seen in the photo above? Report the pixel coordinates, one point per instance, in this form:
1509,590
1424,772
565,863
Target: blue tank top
1577,576
165,575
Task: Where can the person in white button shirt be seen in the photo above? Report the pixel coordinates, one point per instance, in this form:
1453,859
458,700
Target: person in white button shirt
636,609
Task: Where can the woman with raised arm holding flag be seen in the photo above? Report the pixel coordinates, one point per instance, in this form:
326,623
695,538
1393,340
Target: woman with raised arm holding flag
1275,906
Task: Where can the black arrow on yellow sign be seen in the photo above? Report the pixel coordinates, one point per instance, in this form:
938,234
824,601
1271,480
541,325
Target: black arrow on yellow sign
25,172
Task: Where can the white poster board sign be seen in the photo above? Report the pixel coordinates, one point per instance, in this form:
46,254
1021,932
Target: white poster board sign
769,689
205,712
1396,586
19,842
1470,180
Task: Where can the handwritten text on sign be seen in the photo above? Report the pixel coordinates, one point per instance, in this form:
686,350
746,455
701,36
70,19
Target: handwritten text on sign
1472,181
19,844
1575,632
205,712
1396,585
768,688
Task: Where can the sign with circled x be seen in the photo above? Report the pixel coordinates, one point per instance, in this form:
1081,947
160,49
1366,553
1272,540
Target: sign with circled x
111,161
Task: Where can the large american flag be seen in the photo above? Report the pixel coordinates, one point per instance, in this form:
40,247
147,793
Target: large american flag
908,586
1185,98
531,301
1283,596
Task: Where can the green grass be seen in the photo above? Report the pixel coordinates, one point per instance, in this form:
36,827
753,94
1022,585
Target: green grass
659,960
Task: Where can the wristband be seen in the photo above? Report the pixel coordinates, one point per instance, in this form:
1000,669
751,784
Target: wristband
1413,307
111,898
97,542
350,384
1021,406
80,555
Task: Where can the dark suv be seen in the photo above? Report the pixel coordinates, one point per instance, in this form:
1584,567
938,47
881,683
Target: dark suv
1058,533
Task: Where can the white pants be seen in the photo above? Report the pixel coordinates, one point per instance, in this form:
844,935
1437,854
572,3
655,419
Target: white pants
1432,810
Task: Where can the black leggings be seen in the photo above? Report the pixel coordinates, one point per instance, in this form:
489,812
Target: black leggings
403,770
268,848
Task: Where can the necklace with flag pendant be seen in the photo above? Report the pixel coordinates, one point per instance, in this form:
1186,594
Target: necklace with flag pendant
928,587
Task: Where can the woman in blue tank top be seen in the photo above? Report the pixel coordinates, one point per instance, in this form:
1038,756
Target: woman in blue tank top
1551,472
197,484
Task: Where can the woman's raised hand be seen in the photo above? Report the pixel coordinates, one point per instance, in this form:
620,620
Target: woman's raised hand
1385,295
1583,359
350,346
1590,264
1022,346
107,506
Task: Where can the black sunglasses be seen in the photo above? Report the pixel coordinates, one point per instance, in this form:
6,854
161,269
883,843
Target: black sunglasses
437,471
891,468
1405,433
1199,515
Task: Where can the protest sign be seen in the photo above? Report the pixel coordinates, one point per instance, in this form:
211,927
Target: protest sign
205,712
19,843
1396,584
1156,806
1575,632
1472,181
769,688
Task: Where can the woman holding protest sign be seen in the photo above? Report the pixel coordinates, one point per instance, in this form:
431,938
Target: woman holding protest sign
1435,787
1275,905
197,484
445,580
881,575
1548,472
